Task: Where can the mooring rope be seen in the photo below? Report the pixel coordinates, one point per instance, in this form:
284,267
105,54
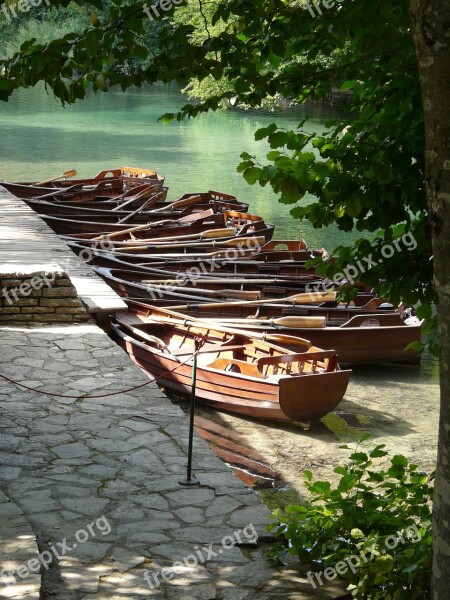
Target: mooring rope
136,387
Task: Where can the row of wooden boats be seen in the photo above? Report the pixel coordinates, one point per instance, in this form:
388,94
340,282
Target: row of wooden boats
202,265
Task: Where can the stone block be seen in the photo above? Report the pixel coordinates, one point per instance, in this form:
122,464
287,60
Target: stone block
59,292
74,302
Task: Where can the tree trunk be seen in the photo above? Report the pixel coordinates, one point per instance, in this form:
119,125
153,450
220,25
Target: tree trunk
431,30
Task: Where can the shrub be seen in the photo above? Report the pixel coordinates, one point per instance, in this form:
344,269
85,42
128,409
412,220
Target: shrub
382,517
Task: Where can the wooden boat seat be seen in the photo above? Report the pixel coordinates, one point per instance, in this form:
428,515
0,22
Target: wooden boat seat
283,365
208,349
236,366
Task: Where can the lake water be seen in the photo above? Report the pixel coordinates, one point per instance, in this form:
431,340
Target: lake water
40,139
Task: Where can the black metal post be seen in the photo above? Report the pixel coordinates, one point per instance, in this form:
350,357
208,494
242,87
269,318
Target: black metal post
189,479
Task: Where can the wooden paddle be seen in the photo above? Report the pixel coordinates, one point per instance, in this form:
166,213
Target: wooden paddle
149,202
289,322
238,294
202,244
179,204
193,322
130,194
204,235
202,279
148,338
304,298
65,175
187,218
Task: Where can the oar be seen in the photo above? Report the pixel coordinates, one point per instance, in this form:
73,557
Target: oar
289,322
188,218
200,279
204,235
148,338
139,193
304,298
193,322
65,175
179,204
150,201
202,244
238,294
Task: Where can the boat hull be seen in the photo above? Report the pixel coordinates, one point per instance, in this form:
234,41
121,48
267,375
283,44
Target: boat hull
302,398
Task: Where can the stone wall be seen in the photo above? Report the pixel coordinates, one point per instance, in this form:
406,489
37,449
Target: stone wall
39,297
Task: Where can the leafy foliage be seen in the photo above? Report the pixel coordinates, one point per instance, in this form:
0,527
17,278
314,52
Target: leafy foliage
382,516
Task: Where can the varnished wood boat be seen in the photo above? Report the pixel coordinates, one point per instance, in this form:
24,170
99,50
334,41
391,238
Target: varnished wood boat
250,257
120,178
359,334
243,224
236,373
105,209
249,267
159,287
216,269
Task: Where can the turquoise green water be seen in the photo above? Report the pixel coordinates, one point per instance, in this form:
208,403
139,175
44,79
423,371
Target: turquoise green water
40,139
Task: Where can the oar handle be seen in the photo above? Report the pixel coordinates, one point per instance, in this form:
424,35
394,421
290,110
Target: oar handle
180,203
297,299
65,175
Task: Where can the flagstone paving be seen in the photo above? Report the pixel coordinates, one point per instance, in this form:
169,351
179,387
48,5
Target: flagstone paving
95,481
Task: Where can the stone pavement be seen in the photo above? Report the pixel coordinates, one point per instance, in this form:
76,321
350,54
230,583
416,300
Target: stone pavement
97,480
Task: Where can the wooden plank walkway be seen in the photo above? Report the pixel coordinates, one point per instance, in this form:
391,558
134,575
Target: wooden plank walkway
27,244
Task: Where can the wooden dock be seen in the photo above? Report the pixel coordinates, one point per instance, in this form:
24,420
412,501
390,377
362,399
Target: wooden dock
27,245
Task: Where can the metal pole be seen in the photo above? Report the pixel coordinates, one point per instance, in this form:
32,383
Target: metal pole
189,479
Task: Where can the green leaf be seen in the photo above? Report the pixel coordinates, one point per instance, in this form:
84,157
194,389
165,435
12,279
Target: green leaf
308,475
347,482
359,457
321,487
399,460
356,533
264,132
348,85
251,175
168,118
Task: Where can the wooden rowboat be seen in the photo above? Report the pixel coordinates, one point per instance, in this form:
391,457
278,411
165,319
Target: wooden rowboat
185,257
123,177
104,209
157,288
359,334
243,223
236,373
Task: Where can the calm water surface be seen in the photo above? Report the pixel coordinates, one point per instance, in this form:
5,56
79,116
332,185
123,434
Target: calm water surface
40,139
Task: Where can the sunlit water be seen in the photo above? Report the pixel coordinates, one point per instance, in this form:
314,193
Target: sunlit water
40,139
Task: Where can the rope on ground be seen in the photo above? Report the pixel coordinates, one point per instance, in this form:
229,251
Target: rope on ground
136,387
